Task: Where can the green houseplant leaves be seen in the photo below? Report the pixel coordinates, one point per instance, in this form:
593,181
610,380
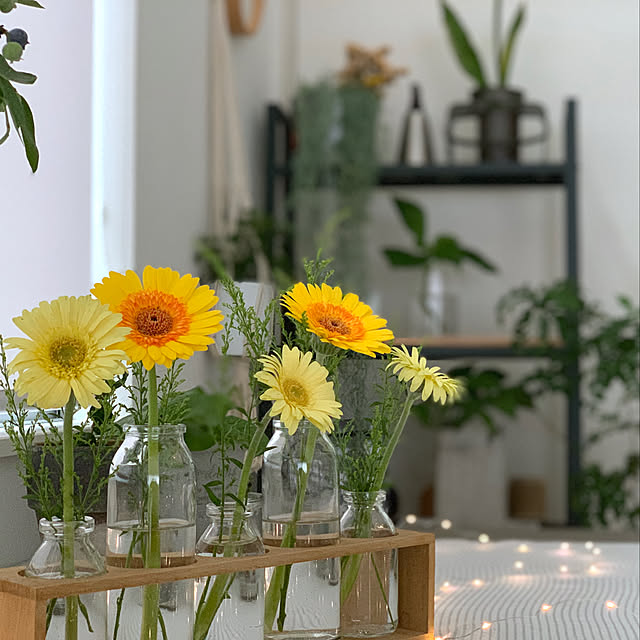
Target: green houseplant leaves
467,54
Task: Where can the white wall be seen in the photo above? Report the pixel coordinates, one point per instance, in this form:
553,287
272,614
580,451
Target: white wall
46,217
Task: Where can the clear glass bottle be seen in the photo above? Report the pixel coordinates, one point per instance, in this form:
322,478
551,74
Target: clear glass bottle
300,508
89,610
128,531
369,590
240,608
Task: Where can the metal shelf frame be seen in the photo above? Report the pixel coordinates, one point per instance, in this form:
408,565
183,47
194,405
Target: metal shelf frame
279,148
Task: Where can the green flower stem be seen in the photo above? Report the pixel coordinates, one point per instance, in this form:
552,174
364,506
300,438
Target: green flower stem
212,599
350,565
151,595
393,442
68,561
277,592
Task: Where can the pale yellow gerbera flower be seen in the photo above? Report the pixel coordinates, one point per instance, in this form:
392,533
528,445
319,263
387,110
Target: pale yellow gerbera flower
70,347
169,316
434,383
298,389
343,321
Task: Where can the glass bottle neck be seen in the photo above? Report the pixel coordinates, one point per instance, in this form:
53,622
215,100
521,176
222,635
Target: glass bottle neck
364,499
163,431
55,529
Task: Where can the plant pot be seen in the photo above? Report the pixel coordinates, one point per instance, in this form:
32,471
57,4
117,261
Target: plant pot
83,467
498,111
471,478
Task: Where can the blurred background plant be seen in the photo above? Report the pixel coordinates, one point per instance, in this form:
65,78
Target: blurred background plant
13,105
607,345
503,48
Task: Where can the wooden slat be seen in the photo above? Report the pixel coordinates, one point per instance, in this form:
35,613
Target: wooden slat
416,588
22,618
11,580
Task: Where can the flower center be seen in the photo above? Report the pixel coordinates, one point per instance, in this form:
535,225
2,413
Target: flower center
335,319
153,321
68,353
295,392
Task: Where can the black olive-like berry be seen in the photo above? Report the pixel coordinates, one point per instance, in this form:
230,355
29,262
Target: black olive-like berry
18,35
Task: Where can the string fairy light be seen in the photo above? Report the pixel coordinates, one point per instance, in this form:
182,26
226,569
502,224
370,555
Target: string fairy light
588,545
411,518
545,608
446,524
483,538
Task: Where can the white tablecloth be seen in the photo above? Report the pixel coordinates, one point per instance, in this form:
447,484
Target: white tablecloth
592,592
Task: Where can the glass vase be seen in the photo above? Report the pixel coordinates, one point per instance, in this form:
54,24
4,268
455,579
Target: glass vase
300,509
369,589
239,608
74,617
136,499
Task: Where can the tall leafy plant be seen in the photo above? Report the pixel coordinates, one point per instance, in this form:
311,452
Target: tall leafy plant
467,53
13,106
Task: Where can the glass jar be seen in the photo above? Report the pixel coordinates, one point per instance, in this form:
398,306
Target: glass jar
134,498
369,589
79,617
237,600
300,509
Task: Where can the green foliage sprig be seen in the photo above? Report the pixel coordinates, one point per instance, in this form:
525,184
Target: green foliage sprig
12,104
36,436
361,443
173,404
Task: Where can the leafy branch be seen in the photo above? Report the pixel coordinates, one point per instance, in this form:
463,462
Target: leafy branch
13,105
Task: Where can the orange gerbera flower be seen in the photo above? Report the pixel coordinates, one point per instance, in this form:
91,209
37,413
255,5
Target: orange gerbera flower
169,316
343,321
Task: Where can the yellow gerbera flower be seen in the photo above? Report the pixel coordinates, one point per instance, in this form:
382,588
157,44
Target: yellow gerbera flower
431,379
345,322
70,346
298,389
169,316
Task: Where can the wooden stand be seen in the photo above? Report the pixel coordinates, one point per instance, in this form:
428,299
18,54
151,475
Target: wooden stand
23,601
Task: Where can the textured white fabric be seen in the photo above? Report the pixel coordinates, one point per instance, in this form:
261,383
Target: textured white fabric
576,583
229,187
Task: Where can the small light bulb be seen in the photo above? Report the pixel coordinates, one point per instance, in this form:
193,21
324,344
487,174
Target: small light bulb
518,564
445,585
564,568
477,582
546,607
610,604
564,546
593,569
486,625
411,518
596,551
483,538
523,548
588,545
446,524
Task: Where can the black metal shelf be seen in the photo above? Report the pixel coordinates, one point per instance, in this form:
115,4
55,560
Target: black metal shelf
564,174
473,175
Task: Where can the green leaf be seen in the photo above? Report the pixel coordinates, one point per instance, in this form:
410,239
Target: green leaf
9,73
477,259
30,3
399,258
22,119
507,50
414,218
462,46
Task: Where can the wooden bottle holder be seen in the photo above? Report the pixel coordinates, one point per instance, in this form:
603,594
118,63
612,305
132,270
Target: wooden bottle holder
23,601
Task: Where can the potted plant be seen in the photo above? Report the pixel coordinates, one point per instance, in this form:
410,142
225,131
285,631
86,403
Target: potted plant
478,494
427,255
13,106
607,346
498,106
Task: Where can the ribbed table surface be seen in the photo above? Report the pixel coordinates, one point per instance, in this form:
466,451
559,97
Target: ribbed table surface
589,593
